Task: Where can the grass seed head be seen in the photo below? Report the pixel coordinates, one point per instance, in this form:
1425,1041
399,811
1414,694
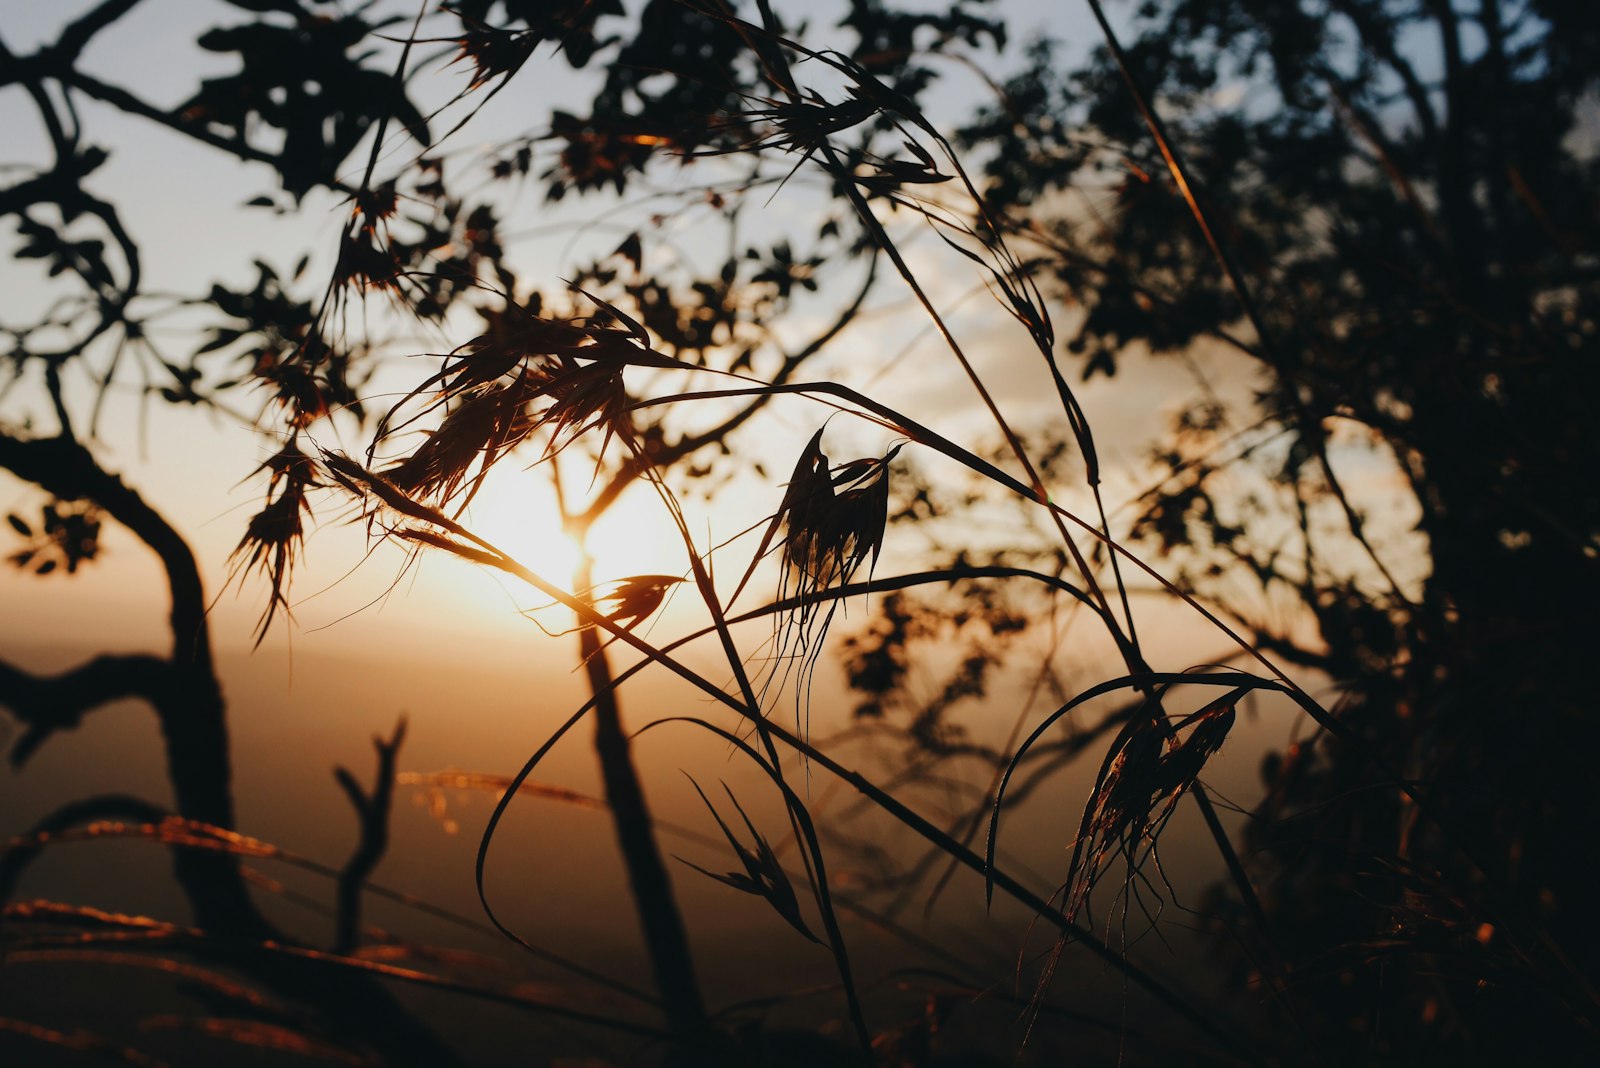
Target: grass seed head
763,876
834,518
1146,772
275,536
482,425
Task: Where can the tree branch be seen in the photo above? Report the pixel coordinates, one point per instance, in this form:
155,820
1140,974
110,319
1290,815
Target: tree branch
65,468
77,35
189,706
373,811
47,704
654,900
120,98
1380,41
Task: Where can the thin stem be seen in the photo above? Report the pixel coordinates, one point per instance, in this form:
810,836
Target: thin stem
653,896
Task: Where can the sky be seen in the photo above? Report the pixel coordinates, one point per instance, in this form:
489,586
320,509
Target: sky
186,207
444,643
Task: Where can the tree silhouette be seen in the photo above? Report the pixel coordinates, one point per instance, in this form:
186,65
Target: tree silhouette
101,334
1391,222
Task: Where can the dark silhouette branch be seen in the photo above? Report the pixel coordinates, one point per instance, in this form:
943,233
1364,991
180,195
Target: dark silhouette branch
193,722
189,703
653,897
78,33
1380,41
373,812
122,99
66,469
47,704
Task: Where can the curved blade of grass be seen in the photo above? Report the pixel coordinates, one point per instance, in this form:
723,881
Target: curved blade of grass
819,882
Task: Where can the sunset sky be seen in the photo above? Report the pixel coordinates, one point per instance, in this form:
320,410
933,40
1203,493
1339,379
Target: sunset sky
441,618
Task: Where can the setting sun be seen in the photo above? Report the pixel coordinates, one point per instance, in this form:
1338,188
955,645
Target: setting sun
518,513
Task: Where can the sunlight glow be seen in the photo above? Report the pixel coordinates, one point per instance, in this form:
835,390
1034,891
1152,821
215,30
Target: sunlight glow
517,512
635,537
